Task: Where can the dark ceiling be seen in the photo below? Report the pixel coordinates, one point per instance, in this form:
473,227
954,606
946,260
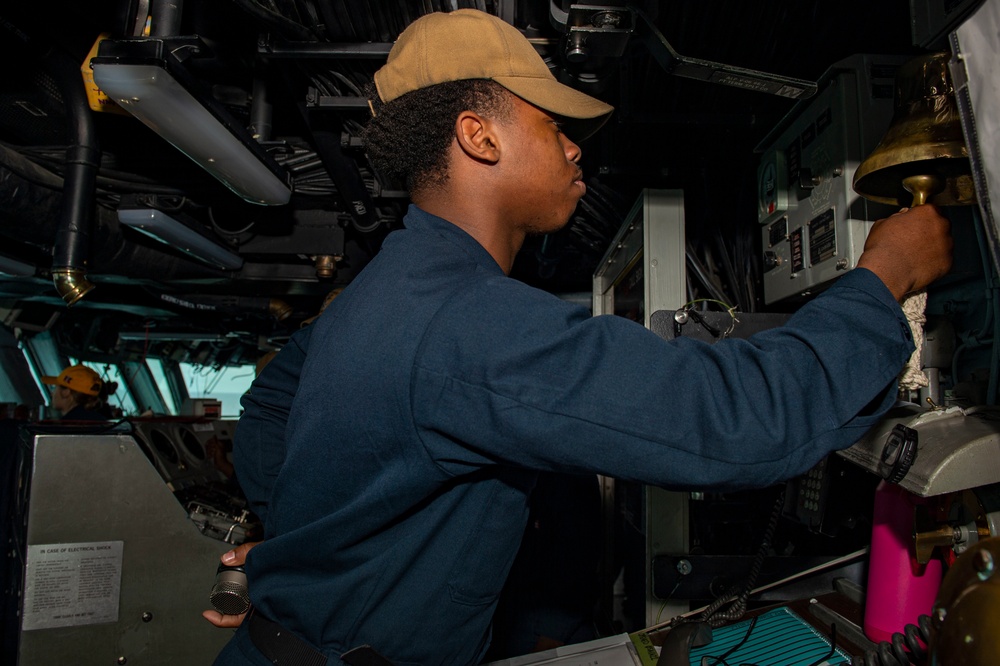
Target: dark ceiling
315,56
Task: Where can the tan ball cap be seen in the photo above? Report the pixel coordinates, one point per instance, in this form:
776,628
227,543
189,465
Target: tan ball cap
470,44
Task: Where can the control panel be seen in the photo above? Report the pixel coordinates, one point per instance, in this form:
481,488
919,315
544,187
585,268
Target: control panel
813,225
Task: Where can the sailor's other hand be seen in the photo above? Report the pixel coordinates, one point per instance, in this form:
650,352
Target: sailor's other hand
231,558
909,249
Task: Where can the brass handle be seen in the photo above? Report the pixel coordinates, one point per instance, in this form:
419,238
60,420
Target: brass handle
922,187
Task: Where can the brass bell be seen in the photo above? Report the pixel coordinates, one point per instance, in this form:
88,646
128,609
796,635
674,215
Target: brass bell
922,157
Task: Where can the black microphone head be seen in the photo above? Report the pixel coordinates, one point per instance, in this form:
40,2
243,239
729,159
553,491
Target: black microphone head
230,595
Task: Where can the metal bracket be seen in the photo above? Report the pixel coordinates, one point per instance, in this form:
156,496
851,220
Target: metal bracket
715,72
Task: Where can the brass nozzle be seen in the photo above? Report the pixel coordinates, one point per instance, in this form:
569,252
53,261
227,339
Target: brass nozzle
71,283
326,266
279,309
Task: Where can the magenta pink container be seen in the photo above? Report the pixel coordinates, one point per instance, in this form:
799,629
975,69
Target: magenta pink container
899,589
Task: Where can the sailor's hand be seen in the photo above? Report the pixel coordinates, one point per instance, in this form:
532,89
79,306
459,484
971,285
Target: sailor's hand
909,250
233,558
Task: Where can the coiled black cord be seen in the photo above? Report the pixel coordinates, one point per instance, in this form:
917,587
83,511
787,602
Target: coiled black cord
904,649
712,615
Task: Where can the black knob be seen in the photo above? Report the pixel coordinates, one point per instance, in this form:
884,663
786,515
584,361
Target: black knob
771,260
898,454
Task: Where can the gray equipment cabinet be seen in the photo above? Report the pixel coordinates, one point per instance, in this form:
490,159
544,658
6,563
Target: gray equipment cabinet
113,569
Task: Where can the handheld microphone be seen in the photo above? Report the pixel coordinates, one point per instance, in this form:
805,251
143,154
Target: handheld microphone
230,595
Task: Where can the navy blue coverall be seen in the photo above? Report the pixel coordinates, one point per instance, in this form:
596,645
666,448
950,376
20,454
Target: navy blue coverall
422,403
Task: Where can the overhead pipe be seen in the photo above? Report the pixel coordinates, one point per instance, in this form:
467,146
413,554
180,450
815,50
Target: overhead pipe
261,109
33,215
165,18
83,157
274,307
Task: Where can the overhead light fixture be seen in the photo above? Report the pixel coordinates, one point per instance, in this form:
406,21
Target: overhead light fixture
147,78
173,232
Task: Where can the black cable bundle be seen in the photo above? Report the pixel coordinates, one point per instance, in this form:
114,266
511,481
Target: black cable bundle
711,615
904,649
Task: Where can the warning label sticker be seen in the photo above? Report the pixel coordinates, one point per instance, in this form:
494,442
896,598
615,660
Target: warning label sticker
72,584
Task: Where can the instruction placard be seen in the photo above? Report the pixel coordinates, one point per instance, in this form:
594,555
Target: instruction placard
72,584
